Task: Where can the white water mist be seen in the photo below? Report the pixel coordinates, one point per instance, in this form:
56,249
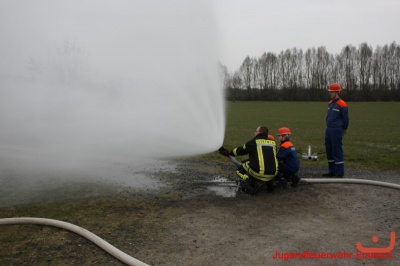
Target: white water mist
108,80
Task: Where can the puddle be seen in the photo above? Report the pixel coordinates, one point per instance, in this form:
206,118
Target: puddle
24,184
223,187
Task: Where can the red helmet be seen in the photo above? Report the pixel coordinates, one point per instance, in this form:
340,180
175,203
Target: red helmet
270,137
335,87
284,131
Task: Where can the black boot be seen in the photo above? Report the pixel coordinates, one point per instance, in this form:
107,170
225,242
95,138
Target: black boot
295,180
328,175
270,186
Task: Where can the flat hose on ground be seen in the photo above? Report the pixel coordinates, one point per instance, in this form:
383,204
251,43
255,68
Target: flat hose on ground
350,180
80,231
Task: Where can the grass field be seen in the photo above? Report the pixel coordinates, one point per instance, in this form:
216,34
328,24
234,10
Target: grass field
372,141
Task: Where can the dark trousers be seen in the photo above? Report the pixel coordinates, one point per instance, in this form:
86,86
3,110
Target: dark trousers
251,185
334,150
285,170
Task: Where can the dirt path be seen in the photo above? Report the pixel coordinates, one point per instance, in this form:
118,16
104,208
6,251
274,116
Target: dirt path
319,218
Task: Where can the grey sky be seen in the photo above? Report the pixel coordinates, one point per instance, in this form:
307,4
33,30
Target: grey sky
252,27
246,27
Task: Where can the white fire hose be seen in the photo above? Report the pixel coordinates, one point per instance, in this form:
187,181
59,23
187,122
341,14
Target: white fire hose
80,231
350,180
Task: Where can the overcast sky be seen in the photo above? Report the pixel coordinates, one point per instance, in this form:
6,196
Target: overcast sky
252,27
246,27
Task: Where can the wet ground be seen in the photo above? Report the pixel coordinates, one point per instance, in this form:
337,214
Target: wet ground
165,213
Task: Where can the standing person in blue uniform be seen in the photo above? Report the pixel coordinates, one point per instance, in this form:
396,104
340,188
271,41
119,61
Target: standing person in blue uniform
262,166
289,163
337,122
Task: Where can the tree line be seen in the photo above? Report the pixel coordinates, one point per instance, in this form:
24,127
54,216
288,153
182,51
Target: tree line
365,74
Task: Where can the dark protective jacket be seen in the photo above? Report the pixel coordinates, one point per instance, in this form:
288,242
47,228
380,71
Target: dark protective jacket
338,114
262,163
287,155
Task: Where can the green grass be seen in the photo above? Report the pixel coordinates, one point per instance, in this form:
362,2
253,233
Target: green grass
372,141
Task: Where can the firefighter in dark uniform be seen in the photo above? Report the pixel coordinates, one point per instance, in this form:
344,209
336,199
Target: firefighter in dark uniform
262,166
337,122
289,163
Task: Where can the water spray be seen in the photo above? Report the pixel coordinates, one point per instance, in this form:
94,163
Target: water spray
106,93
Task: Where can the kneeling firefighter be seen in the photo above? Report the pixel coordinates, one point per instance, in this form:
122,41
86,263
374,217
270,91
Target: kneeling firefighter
262,166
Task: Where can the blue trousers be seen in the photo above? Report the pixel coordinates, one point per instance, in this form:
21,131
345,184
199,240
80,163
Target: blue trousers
334,150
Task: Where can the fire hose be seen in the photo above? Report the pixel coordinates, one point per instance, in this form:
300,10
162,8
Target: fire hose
80,231
350,180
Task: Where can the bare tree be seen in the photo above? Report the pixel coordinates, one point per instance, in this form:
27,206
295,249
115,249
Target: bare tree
309,59
299,79
394,66
361,71
322,67
246,71
236,81
283,59
364,64
263,69
376,68
290,67
255,77
347,64
224,75
317,66
272,61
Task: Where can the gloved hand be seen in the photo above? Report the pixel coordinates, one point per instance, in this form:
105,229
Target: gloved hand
223,151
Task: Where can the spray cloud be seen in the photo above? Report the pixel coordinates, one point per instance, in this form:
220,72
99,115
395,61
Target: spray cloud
108,80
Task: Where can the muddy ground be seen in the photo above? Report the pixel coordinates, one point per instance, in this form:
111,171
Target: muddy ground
174,220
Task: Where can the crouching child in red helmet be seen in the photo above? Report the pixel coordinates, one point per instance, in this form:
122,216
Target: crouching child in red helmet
289,163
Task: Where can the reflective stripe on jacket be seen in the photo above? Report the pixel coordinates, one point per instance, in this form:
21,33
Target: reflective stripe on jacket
262,163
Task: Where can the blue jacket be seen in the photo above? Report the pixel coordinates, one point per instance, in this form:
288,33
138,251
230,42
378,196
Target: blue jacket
338,114
288,155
